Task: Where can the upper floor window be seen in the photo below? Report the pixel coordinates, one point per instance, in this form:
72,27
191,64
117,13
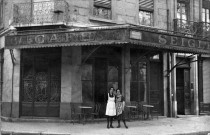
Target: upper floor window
205,11
182,9
146,12
1,13
102,9
40,12
206,17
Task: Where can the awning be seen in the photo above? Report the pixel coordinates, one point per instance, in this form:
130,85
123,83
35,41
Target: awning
116,35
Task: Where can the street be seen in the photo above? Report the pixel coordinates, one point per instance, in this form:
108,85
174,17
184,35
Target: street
163,126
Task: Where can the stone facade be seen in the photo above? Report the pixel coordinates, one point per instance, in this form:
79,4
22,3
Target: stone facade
80,15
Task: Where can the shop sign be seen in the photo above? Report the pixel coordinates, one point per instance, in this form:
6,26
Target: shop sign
65,37
161,39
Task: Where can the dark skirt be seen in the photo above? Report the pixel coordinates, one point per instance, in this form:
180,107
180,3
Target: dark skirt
121,116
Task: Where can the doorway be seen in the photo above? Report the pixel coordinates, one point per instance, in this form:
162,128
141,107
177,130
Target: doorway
183,91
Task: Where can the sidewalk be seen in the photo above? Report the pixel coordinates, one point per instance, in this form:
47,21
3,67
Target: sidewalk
161,126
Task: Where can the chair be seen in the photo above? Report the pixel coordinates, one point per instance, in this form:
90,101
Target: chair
155,109
133,111
95,113
204,108
75,114
142,110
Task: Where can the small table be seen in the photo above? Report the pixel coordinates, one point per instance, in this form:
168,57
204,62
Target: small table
83,111
149,107
131,106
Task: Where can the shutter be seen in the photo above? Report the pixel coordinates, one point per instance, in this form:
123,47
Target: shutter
148,4
206,4
103,3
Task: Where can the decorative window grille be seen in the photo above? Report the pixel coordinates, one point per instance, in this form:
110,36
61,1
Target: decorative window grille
102,9
146,8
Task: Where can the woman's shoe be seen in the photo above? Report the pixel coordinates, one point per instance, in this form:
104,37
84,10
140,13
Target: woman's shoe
108,126
126,126
111,126
118,126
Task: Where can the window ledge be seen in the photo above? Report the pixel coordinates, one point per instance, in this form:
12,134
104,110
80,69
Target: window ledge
93,18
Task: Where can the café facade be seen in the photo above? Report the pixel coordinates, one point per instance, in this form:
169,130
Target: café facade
46,71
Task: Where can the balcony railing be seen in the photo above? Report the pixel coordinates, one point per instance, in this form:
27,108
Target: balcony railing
193,29
40,13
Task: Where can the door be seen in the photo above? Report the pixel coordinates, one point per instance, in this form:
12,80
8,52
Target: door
101,83
40,93
183,91
156,93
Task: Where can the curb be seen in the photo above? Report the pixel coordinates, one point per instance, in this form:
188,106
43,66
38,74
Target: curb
29,133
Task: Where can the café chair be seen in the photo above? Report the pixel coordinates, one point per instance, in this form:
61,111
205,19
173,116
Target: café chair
96,110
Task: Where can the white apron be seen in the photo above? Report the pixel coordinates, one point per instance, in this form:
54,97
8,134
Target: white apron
110,107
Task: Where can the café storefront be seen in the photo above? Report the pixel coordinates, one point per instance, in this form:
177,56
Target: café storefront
54,69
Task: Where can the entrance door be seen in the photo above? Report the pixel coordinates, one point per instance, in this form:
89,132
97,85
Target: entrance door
183,91
40,93
101,83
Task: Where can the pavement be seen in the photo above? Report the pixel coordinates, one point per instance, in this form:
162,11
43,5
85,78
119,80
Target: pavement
190,125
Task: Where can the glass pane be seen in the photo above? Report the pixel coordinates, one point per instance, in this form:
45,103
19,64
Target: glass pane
143,90
142,71
203,16
134,75
145,18
87,93
134,91
102,12
112,74
87,72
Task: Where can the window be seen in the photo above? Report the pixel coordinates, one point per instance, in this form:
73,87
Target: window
183,11
43,10
145,18
139,81
146,12
1,13
206,16
102,9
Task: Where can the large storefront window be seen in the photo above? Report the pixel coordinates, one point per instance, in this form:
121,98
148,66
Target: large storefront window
40,82
139,81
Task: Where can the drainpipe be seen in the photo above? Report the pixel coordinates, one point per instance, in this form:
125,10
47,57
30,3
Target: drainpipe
13,64
1,81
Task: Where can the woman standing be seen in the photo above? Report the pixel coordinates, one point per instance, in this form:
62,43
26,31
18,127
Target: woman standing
110,108
120,105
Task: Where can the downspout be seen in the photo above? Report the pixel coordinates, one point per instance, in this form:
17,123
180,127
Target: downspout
13,64
1,81
169,98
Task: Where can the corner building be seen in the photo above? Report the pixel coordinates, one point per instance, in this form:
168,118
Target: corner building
68,52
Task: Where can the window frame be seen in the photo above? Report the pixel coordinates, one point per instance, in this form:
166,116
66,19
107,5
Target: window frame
1,14
187,8
146,8
108,8
151,17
